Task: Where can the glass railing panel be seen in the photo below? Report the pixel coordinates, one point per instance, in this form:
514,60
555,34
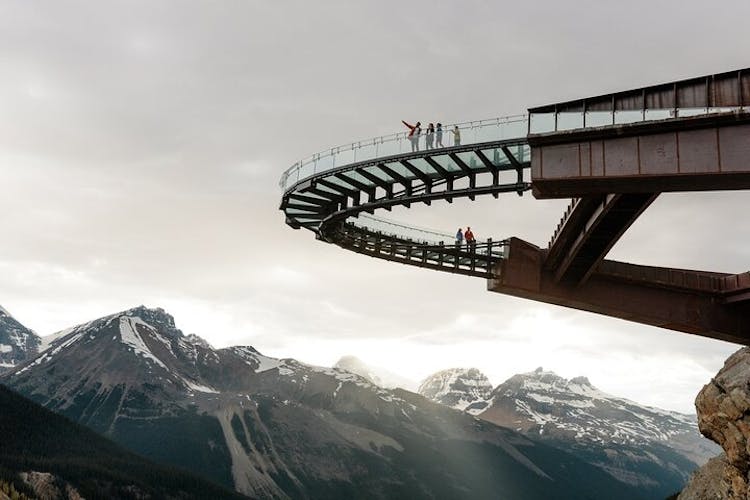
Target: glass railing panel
488,132
445,162
366,151
659,114
343,156
306,170
393,147
623,117
685,112
515,128
541,123
569,121
599,118
719,109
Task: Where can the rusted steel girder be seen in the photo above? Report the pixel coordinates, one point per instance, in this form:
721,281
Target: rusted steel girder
689,154
590,230
715,305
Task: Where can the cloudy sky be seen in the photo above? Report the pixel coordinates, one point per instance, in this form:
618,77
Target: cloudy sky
141,143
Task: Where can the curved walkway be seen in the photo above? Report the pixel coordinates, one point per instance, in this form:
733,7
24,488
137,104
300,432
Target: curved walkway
331,192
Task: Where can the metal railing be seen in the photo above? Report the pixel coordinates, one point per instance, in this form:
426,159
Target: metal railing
474,132
542,123
412,236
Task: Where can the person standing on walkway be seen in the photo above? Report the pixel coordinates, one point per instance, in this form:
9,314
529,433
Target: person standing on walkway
459,238
430,137
469,238
456,136
439,136
413,134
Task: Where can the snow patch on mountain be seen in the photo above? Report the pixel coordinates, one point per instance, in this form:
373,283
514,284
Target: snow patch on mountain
199,387
130,337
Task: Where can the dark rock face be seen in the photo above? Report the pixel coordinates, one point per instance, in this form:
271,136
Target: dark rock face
277,428
51,457
724,416
17,343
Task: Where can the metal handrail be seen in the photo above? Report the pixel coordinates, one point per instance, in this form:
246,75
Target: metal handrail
399,136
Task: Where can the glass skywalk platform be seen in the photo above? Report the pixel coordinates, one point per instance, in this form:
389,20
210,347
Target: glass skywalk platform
331,192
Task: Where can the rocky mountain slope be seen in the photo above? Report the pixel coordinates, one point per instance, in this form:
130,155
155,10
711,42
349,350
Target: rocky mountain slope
17,343
465,389
277,428
651,448
44,455
375,374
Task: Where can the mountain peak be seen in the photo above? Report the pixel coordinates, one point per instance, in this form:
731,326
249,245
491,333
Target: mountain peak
197,340
154,316
464,389
17,343
374,374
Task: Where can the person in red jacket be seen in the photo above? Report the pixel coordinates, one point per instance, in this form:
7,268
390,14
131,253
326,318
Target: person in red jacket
413,135
469,237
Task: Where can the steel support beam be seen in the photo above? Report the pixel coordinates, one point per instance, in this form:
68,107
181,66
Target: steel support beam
634,293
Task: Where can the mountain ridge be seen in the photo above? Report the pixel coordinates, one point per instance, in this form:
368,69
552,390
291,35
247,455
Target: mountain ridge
643,445
275,428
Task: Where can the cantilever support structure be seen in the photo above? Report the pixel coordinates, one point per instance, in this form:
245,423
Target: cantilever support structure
715,305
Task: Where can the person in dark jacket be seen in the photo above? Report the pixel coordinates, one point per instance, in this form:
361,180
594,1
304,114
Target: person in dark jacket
429,137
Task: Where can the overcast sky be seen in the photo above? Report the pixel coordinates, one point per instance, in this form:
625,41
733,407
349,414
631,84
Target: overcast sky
141,143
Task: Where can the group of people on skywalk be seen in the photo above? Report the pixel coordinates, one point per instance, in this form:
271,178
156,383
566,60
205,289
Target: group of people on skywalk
433,136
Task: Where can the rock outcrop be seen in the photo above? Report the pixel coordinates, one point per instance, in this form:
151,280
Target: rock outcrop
724,416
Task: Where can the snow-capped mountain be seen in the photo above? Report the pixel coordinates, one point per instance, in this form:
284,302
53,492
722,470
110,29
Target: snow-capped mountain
629,440
17,343
545,403
465,389
375,374
278,428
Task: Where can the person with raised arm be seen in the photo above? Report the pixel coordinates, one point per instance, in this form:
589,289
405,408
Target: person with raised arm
413,135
